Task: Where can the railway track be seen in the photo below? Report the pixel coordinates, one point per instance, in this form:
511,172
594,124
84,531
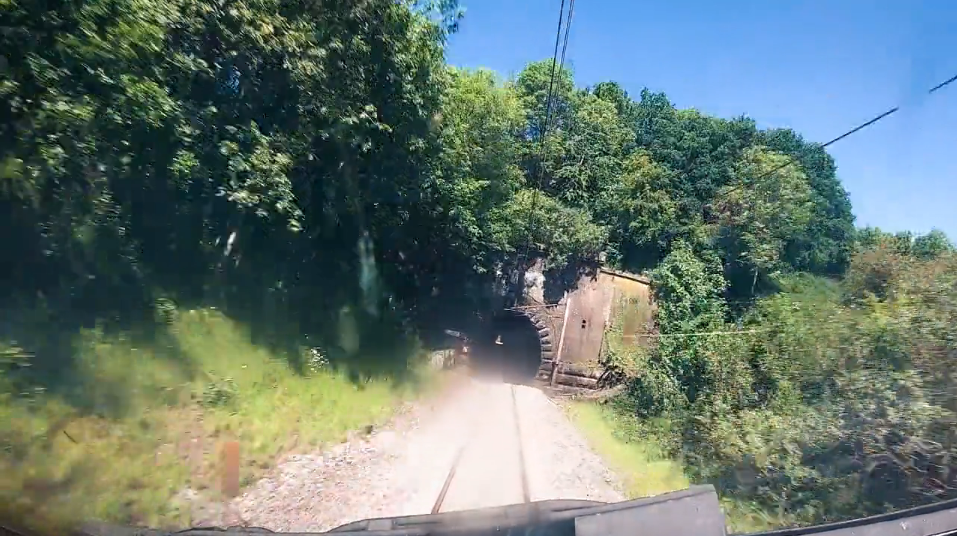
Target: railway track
490,464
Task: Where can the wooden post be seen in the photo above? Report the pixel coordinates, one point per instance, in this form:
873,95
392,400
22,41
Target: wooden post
561,341
230,467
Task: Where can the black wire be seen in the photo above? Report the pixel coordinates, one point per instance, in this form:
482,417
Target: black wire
543,130
551,77
561,67
568,26
858,128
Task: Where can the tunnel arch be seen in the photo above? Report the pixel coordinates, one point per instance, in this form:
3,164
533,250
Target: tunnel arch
526,348
539,319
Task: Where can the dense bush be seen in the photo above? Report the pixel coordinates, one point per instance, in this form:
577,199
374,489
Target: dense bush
831,399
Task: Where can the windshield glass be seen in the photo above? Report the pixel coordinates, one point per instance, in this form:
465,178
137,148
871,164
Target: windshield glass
293,264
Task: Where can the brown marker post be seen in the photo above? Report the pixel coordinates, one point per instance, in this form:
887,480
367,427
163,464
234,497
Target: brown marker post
229,458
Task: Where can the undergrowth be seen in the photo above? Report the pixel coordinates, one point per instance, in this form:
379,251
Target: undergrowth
823,401
643,468
154,415
636,451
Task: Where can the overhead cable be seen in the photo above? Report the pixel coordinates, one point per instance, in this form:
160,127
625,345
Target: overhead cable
854,130
543,127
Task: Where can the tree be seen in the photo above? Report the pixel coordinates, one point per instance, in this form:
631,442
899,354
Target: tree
593,147
640,212
825,246
148,138
627,108
757,214
699,151
480,122
534,85
932,245
551,229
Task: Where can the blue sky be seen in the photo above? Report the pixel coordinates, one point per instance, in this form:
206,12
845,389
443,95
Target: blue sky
818,66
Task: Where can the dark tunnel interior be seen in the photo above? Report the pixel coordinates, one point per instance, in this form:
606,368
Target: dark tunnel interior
508,345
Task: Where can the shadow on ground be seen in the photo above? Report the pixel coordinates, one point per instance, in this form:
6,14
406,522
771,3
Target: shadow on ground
55,349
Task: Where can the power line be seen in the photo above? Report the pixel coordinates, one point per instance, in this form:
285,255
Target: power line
543,130
568,26
551,78
854,130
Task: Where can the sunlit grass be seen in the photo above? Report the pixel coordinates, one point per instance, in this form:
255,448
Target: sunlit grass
645,470
155,416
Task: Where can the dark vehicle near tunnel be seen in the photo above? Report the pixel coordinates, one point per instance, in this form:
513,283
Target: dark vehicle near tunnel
691,512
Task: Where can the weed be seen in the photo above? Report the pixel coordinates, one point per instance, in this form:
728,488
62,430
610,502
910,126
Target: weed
219,393
644,470
148,423
637,454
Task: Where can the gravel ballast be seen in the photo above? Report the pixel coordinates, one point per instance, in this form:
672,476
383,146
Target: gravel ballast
400,470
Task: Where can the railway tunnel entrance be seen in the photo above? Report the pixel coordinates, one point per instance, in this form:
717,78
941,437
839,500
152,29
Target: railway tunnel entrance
509,346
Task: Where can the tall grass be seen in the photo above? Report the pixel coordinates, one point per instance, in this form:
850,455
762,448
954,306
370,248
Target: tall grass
153,417
640,464
633,448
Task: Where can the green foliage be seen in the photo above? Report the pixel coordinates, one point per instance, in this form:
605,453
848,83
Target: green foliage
532,86
590,159
480,122
756,219
671,376
316,172
932,245
834,402
159,423
824,246
219,393
688,289
210,154
554,230
640,210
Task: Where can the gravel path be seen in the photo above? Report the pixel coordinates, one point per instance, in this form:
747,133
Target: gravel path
563,465
401,471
